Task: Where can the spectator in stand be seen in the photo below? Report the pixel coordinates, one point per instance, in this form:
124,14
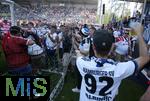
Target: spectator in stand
5,26
15,50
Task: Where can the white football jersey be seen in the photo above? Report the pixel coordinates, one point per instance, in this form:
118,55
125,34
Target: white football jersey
34,49
49,43
102,77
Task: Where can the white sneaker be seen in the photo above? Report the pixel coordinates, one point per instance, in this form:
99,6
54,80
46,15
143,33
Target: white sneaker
76,90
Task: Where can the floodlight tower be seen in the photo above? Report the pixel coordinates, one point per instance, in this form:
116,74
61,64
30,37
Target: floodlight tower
11,6
99,10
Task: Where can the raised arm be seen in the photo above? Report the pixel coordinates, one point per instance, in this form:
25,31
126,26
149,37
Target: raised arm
144,56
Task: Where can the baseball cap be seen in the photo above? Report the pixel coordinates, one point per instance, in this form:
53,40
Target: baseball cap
85,31
14,30
103,40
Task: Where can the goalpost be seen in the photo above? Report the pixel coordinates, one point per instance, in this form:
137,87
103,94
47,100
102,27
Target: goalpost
11,6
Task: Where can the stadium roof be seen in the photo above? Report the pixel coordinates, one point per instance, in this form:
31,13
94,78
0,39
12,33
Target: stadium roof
77,1
94,2
136,0
91,2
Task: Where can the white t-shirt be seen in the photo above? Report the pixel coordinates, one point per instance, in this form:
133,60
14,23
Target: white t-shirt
34,49
41,31
101,82
49,43
122,46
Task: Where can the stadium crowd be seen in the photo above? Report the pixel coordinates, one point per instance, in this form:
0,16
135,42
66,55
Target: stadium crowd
58,13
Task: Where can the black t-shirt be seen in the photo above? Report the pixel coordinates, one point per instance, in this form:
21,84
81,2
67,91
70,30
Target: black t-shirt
67,43
126,23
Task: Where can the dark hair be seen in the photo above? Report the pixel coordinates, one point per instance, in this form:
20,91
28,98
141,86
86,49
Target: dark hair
103,40
92,27
31,23
15,30
85,26
5,21
76,28
62,25
53,26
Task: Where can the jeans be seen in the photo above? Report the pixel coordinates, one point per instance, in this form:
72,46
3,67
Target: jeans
21,71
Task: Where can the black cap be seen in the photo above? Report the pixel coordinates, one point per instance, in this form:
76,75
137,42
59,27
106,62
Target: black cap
14,30
103,40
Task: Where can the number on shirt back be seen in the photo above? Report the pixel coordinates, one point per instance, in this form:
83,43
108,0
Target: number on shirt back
91,84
